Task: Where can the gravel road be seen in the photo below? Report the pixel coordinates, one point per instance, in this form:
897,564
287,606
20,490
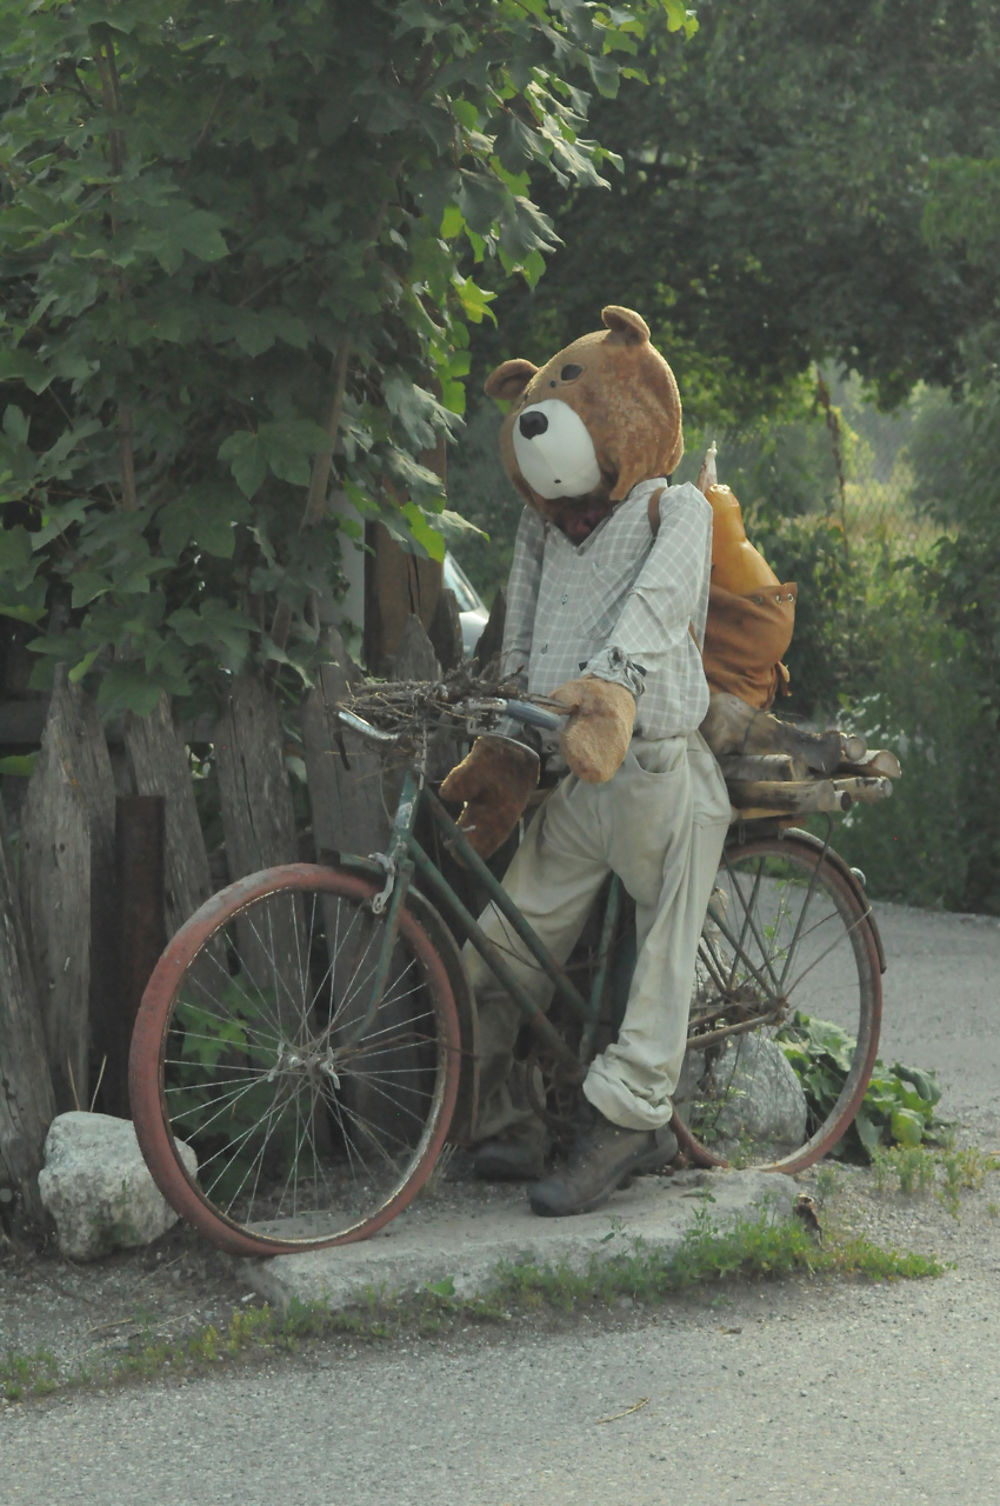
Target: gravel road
797,1390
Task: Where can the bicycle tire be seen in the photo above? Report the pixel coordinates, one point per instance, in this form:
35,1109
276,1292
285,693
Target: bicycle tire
315,1118
789,943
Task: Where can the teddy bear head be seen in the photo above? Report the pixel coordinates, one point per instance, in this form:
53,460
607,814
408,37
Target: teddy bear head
601,415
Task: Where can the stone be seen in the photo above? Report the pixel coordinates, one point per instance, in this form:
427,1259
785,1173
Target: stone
763,1099
97,1188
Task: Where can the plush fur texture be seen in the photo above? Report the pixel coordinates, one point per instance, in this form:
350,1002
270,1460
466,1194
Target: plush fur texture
625,394
599,730
493,784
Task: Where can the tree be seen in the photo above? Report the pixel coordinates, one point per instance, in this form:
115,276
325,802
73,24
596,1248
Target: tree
239,252
773,208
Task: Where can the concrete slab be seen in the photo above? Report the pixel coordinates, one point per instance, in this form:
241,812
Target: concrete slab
467,1237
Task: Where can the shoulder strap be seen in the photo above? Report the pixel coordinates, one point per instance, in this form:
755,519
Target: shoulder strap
654,511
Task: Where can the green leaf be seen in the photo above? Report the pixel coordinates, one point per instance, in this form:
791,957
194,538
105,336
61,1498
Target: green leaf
15,424
907,1127
88,585
127,687
18,765
290,446
247,461
80,669
423,533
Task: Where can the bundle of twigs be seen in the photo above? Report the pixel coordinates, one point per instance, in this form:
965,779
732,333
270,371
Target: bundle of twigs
414,705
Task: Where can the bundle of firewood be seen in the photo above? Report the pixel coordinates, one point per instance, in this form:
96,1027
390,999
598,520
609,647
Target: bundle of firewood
773,767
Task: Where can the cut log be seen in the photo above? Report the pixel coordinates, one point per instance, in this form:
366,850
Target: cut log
734,727
794,797
879,762
863,789
757,766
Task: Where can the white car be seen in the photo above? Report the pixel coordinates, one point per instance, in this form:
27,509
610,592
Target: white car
471,609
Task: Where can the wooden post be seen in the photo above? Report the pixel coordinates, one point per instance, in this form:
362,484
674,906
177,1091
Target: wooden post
160,766
258,819
27,1101
139,848
346,800
67,883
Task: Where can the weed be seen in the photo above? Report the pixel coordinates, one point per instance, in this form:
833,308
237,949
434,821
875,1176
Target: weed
917,1169
754,1248
21,1375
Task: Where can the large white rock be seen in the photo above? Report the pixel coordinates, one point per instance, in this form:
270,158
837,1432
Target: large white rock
766,1103
96,1186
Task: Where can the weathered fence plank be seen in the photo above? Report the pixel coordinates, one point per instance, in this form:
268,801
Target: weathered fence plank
27,1100
67,883
258,822
348,808
257,816
160,765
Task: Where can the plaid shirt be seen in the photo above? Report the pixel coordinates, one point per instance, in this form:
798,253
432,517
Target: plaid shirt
624,605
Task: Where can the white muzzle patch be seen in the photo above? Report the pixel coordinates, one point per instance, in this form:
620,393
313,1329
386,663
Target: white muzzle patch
554,451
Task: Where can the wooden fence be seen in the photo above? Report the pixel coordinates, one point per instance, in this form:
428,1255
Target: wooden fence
110,857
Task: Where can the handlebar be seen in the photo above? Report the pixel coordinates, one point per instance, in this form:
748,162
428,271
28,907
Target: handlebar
528,713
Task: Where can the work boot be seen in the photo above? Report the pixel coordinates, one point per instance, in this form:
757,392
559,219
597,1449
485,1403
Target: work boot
519,1155
603,1157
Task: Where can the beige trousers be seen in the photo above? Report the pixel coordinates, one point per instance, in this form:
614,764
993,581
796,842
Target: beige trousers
659,824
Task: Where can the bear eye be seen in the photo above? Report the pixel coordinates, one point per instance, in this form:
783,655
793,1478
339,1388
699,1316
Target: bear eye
570,373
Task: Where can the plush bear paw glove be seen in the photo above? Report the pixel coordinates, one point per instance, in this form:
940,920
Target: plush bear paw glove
596,739
494,781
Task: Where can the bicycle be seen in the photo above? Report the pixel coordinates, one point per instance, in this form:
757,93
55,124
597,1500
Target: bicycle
311,1031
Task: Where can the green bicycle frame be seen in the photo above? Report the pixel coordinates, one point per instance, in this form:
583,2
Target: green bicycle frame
406,856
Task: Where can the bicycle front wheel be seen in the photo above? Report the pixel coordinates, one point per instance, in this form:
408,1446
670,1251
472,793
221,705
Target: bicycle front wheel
788,964
315,1109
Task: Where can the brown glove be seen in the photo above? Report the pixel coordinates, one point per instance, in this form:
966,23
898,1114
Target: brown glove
598,733
494,781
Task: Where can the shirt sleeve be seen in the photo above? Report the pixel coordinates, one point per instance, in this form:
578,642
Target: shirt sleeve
522,597
669,598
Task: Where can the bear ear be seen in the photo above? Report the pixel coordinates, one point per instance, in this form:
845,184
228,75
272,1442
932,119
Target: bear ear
509,380
630,327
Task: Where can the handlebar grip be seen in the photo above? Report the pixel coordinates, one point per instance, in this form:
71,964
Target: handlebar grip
535,716
365,729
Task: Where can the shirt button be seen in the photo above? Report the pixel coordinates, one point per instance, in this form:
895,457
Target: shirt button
544,648
564,599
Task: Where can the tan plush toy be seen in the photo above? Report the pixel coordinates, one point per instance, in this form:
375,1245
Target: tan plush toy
600,416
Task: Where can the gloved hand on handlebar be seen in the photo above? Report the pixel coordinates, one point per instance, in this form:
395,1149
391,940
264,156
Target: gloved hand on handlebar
494,781
596,737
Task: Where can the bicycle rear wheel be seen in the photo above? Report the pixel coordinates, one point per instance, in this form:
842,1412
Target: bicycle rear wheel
315,1111
788,952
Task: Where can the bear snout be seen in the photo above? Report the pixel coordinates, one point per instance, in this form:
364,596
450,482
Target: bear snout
532,424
